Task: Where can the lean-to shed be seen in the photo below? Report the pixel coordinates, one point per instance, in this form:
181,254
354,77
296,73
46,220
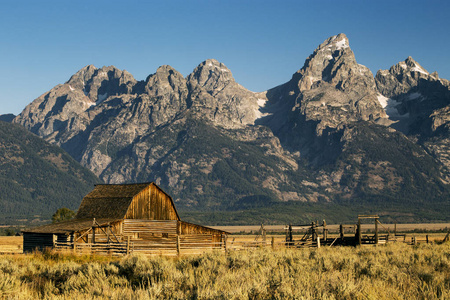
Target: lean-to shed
124,218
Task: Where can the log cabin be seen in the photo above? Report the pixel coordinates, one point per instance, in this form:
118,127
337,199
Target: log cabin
124,219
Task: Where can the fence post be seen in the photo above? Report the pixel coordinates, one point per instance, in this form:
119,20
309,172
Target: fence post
272,242
290,236
376,231
128,245
427,238
263,235
74,243
178,245
225,243
359,232
318,241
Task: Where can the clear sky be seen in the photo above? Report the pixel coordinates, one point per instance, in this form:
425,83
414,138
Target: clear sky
42,43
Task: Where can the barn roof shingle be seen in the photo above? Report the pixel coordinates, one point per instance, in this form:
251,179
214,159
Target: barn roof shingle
70,226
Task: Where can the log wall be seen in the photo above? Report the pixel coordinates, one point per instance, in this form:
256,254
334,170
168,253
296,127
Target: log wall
37,241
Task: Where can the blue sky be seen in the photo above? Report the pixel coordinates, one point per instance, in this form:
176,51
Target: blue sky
262,42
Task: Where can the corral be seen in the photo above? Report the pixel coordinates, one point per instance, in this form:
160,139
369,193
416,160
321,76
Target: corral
123,219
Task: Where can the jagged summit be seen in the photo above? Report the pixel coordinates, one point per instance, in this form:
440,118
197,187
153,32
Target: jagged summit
166,79
336,42
403,76
98,84
331,89
408,67
333,62
214,76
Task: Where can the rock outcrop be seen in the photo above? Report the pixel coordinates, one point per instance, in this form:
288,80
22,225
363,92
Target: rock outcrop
419,103
225,103
331,91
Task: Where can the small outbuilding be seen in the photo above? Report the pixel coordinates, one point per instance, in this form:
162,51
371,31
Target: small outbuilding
123,219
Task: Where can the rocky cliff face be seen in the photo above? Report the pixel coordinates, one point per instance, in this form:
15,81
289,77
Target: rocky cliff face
221,99
331,91
332,88
321,137
419,104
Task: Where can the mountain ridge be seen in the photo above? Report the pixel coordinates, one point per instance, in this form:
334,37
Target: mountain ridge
305,141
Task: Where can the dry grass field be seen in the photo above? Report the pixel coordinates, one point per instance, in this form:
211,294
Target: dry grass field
11,244
393,271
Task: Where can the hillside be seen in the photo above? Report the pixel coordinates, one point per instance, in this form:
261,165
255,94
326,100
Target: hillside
37,178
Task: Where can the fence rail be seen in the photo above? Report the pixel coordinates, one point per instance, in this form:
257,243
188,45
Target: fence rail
191,244
181,245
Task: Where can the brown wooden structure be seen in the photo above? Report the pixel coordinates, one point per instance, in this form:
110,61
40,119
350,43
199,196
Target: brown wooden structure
315,234
123,219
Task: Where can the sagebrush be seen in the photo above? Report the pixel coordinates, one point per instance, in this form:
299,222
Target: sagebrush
395,271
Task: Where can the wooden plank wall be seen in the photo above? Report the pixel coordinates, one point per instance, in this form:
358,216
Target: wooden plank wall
152,237
152,204
37,241
185,228
160,237
131,227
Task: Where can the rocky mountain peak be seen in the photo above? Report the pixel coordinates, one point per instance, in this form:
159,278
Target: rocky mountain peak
415,66
214,76
166,81
98,84
331,88
409,67
402,77
417,100
326,63
80,78
334,43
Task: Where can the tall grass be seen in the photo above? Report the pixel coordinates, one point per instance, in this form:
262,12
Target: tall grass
395,271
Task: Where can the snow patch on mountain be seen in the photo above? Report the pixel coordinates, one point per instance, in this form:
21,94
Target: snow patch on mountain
261,104
390,106
419,69
342,44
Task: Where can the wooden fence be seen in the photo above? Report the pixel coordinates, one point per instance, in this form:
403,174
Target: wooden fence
168,246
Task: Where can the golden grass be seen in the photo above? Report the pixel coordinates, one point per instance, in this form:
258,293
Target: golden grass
11,244
394,271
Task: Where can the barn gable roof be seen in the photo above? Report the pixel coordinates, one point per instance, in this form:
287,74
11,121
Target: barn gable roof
69,226
112,200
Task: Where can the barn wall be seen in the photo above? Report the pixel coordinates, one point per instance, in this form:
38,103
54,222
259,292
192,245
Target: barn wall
37,241
152,204
146,228
189,228
152,237
170,237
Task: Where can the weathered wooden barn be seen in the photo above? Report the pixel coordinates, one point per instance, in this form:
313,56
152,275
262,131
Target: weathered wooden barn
122,219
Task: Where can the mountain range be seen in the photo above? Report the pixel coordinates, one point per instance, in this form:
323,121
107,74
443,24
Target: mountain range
333,141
